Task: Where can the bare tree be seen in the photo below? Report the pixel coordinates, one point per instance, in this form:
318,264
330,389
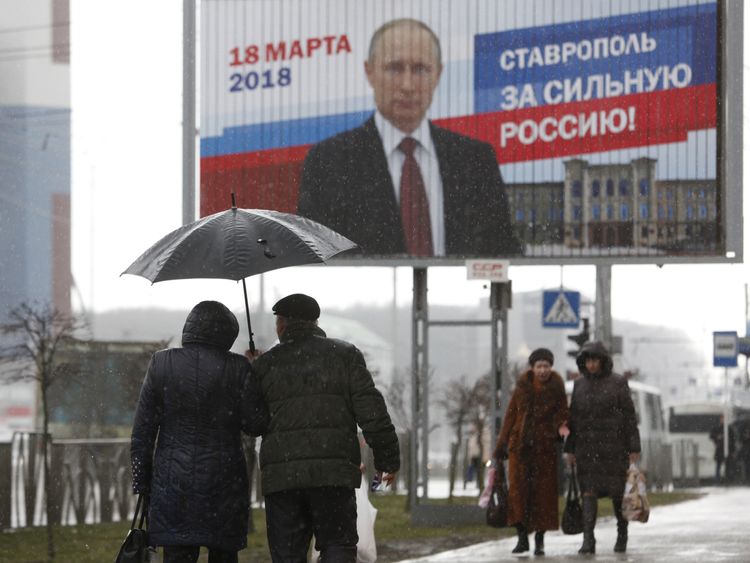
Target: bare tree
457,401
35,333
479,416
397,396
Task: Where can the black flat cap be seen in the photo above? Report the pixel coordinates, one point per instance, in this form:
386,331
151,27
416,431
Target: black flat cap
297,306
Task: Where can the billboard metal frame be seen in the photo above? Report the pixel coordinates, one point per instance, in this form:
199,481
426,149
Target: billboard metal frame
729,162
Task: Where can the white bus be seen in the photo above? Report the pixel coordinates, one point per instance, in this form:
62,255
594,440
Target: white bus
656,455
693,450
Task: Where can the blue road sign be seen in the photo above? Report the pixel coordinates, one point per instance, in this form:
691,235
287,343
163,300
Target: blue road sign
725,349
561,309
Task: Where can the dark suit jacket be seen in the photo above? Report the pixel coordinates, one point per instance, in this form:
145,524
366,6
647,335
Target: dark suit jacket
346,186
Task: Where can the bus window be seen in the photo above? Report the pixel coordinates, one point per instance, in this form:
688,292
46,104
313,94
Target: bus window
697,423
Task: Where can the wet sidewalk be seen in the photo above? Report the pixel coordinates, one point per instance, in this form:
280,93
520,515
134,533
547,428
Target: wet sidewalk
715,528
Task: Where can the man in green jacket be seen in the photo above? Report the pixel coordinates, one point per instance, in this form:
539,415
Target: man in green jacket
318,391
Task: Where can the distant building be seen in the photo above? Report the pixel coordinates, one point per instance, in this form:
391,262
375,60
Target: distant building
97,389
35,154
618,205
538,212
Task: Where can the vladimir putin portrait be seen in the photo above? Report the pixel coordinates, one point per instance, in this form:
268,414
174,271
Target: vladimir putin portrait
398,184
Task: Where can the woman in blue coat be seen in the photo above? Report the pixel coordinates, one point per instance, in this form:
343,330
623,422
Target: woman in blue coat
186,452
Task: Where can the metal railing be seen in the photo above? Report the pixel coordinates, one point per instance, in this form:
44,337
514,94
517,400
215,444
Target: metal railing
90,481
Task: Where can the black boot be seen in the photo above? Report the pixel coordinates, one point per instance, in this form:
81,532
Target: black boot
539,543
622,527
589,522
523,539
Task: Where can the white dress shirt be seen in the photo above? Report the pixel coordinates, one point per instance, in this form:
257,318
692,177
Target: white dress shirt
427,160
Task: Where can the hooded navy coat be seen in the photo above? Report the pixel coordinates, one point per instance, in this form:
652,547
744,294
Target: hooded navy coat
197,399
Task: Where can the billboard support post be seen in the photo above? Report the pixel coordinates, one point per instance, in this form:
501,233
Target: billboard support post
500,302
603,311
188,111
419,373
500,377
496,373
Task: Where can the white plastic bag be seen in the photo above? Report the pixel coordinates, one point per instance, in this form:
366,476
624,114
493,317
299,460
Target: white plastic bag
367,551
635,506
484,498
366,548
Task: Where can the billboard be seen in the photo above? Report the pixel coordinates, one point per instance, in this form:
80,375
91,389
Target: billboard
539,131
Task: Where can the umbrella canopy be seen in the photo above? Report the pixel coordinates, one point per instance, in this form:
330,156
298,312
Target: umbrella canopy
236,244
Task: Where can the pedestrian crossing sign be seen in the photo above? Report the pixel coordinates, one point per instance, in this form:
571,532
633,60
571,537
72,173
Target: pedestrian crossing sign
561,309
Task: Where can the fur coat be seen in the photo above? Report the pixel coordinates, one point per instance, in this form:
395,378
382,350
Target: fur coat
530,434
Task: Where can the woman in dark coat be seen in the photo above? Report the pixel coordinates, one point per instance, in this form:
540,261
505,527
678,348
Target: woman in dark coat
197,399
535,418
603,439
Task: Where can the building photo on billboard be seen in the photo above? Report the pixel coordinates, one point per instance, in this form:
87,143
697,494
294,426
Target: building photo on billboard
445,130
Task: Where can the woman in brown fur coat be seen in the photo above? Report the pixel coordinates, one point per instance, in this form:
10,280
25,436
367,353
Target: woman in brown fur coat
536,416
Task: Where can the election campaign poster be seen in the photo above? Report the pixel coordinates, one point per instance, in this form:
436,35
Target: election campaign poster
450,129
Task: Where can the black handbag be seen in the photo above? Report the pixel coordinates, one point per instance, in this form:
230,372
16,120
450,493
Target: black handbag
497,509
572,518
135,547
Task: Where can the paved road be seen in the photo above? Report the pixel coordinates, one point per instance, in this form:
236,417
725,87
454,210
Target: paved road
715,528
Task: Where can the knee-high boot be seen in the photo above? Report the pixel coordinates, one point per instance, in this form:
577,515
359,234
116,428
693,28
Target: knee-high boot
523,539
589,522
622,526
539,543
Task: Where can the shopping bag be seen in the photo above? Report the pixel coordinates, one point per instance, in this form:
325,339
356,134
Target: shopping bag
635,505
572,518
484,498
135,547
497,508
367,551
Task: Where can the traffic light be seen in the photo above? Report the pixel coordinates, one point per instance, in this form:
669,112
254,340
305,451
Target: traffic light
580,339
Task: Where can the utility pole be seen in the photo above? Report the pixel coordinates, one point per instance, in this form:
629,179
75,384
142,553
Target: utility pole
747,324
188,111
603,312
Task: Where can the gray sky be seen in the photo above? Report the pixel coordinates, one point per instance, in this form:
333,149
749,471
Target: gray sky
126,80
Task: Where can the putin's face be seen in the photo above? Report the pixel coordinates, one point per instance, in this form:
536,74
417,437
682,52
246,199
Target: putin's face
404,71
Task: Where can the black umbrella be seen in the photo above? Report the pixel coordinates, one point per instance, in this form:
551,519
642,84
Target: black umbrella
238,243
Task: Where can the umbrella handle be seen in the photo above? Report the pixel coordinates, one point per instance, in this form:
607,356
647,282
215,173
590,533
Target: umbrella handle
247,314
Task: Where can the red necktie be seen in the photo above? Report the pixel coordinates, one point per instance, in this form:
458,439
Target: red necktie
415,209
